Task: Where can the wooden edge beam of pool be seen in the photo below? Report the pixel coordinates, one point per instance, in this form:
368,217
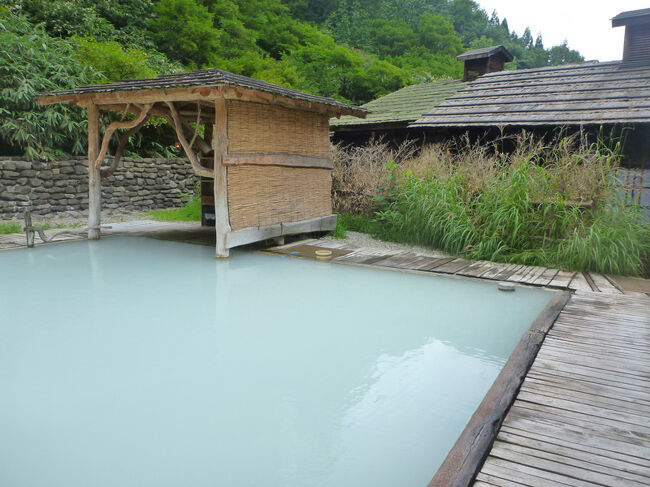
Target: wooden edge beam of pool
466,457
255,234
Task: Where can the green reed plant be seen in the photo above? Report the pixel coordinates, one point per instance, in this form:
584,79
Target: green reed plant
551,205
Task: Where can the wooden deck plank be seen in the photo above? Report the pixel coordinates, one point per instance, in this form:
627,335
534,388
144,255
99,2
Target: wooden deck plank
497,269
546,277
435,263
562,279
574,451
486,480
603,284
530,474
553,390
501,471
579,283
567,465
452,267
520,273
582,415
475,269
616,439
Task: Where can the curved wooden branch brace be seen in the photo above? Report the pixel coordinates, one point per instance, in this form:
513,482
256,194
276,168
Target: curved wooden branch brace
196,165
129,124
196,125
115,163
203,147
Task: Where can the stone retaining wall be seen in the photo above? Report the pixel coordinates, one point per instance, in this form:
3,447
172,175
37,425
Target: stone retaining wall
61,187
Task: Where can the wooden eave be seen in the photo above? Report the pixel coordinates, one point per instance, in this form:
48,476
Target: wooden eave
369,127
120,99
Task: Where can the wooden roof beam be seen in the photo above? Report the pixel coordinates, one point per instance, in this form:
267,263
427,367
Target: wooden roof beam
196,94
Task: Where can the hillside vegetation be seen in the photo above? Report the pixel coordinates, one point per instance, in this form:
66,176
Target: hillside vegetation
351,50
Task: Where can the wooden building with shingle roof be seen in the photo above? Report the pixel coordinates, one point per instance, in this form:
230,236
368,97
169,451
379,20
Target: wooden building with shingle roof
594,98
390,115
261,150
578,94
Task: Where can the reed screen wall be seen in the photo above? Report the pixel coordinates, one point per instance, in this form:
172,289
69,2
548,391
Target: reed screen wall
264,194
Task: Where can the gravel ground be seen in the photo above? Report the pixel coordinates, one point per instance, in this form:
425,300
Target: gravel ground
356,239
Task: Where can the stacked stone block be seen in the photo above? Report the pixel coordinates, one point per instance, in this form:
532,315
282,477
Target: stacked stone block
61,187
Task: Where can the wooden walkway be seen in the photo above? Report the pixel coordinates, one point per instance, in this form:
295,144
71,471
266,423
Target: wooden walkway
582,416
519,274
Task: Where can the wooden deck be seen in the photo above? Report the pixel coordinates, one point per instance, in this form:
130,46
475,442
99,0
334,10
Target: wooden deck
582,416
518,274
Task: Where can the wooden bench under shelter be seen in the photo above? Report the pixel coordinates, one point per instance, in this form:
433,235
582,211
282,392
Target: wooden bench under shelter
264,159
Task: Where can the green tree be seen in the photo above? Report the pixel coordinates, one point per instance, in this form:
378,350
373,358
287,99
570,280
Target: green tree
391,37
183,30
115,62
438,35
32,62
64,19
562,54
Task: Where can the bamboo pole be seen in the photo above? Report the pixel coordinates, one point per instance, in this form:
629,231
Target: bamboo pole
94,175
220,146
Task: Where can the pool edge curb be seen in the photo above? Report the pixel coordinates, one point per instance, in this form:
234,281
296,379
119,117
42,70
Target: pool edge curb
464,460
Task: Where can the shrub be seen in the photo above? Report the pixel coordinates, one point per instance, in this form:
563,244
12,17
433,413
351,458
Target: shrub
31,61
550,205
360,172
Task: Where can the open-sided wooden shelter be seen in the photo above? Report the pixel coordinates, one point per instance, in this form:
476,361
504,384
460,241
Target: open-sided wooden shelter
265,152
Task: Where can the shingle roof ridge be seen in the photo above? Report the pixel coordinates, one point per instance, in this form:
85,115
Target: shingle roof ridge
201,77
562,67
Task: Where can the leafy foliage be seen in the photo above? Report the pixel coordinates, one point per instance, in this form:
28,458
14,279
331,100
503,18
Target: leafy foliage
30,62
352,50
183,30
113,61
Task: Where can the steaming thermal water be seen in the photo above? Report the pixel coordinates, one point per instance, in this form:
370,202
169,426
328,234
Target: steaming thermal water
145,363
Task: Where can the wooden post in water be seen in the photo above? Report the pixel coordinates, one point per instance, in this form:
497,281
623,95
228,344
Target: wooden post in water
94,177
220,146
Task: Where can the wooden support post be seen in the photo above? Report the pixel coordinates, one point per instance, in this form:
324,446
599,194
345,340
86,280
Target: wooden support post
94,176
220,146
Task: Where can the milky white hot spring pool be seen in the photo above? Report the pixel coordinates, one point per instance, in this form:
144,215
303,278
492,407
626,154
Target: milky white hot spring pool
146,363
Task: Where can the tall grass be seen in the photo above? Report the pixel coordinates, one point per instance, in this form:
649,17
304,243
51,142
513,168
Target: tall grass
10,227
551,205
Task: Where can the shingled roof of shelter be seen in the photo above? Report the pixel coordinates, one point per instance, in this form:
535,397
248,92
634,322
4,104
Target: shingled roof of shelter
404,105
200,78
588,93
